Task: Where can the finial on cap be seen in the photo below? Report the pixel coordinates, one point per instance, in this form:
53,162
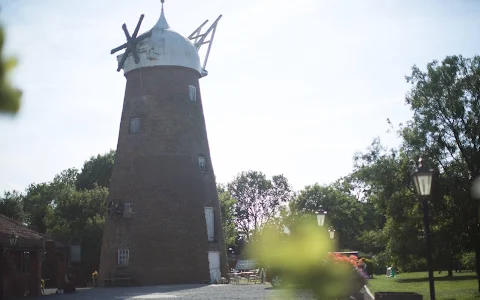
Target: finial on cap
162,22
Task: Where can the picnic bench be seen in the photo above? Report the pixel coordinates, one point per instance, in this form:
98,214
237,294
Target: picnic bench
119,279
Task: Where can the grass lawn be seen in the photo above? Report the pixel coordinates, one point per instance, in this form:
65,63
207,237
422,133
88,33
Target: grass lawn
462,286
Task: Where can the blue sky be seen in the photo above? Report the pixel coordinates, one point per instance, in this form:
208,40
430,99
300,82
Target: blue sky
294,87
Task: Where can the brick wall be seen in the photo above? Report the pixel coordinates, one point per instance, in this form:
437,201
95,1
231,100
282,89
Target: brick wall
157,171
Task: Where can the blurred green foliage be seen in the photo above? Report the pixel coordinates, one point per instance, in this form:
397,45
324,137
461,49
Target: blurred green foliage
301,257
9,96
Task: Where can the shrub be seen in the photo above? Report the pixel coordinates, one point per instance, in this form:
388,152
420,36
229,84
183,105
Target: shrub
468,261
414,264
370,266
380,261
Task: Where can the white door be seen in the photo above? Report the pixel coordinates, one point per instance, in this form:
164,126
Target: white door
214,264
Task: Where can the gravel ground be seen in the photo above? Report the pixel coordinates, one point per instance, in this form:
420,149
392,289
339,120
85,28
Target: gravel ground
224,291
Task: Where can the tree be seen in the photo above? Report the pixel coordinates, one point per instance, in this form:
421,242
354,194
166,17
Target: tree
38,201
227,206
80,214
445,100
64,212
258,200
11,205
96,170
345,213
9,96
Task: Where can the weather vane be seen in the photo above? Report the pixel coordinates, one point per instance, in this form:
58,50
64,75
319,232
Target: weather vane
131,44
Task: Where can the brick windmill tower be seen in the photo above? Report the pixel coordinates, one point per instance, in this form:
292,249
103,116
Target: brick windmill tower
164,220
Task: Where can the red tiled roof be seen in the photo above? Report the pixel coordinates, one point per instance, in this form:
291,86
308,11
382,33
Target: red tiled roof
25,235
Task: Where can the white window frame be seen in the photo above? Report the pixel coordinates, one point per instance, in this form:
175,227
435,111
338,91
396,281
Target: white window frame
123,256
210,220
134,127
202,163
192,93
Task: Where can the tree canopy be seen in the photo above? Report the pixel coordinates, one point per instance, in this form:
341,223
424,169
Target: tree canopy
258,200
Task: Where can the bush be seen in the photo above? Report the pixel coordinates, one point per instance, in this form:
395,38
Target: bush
380,261
370,266
468,261
414,264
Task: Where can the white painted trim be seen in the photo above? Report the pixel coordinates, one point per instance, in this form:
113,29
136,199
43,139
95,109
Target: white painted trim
368,292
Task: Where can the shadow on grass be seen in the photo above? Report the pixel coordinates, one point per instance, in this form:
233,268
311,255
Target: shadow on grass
476,296
445,278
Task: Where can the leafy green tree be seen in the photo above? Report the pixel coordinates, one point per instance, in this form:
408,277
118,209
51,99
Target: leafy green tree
227,205
445,100
384,175
96,170
258,200
66,178
41,199
38,203
11,205
344,212
80,214
373,241
9,96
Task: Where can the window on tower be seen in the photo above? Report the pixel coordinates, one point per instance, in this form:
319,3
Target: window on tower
127,210
210,219
123,256
202,163
135,126
192,93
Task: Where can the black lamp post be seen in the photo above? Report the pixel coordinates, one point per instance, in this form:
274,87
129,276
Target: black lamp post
321,213
13,239
231,251
331,231
422,177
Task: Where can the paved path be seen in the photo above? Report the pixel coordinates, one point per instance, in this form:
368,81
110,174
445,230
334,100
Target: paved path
181,292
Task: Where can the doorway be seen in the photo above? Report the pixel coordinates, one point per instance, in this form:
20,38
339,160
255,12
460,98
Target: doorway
214,265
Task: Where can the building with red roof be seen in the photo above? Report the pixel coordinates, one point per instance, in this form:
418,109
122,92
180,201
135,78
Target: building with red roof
22,253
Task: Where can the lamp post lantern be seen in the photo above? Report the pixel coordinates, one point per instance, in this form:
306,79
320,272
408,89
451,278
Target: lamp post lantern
331,231
321,213
422,178
13,239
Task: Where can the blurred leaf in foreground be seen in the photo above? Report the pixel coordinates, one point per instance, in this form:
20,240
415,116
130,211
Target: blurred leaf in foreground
9,96
302,258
